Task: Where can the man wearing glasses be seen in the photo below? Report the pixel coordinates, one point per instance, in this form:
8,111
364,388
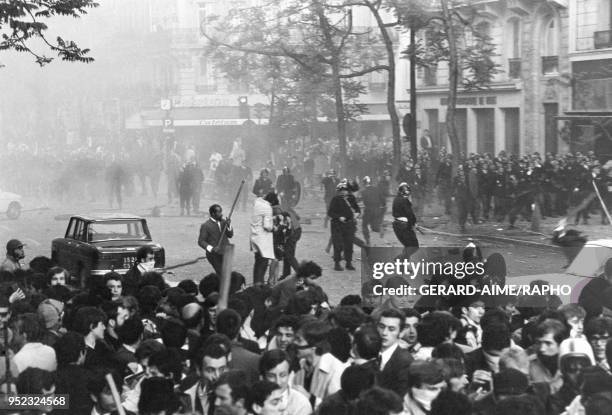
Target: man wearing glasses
597,332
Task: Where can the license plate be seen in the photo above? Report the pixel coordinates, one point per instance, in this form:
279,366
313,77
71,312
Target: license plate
128,262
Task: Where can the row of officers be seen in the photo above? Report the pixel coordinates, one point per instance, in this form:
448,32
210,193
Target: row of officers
343,212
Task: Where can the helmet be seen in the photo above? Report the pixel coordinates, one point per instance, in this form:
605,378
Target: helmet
403,188
286,170
342,186
367,180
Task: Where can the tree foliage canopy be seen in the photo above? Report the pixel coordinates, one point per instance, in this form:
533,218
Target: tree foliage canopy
289,48
25,21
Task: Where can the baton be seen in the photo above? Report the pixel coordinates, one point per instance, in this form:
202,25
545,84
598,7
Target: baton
230,214
115,392
418,228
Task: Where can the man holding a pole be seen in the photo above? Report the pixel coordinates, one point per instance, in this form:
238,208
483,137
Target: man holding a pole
214,234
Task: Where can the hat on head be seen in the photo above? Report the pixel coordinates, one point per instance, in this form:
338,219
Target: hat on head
14,244
50,312
576,347
342,186
403,185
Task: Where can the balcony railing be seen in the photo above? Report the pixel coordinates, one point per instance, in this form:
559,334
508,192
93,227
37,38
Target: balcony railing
550,65
514,68
603,39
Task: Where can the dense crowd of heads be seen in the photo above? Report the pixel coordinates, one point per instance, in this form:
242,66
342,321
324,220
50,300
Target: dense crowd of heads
136,342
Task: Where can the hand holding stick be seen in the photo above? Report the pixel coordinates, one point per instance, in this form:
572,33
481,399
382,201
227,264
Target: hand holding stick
230,215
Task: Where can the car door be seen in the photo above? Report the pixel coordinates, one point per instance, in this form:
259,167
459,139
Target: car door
81,247
61,247
73,246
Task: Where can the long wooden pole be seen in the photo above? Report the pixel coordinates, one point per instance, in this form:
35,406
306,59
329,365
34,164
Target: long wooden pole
230,214
226,276
115,392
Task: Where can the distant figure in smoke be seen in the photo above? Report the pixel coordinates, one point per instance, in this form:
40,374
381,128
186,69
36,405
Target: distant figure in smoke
198,182
286,186
188,181
116,178
404,220
374,204
263,185
173,169
237,155
244,173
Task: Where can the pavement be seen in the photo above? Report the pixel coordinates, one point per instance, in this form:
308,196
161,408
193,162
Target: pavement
526,252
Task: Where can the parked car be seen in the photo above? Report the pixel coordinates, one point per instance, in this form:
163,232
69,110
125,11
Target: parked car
95,245
11,204
589,263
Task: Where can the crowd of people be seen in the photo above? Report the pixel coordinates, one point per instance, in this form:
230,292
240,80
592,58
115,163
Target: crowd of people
482,187
133,344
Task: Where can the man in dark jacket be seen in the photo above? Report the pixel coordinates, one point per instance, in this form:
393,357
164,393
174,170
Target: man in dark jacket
443,181
286,187
329,184
263,185
211,239
404,220
393,359
71,376
374,204
343,226
189,179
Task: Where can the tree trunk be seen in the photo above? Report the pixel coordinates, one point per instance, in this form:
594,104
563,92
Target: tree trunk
453,81
413,95
395,123
341,118
334,55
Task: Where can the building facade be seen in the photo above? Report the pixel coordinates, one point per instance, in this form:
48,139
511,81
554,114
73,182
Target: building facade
589,121
519,111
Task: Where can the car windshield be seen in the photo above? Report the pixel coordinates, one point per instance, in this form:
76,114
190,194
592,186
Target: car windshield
117,230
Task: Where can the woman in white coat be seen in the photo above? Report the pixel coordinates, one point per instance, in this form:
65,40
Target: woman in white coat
261,235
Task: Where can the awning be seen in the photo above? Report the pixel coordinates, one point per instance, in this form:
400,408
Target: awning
217,116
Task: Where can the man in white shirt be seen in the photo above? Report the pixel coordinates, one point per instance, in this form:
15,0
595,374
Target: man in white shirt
27,333
311,340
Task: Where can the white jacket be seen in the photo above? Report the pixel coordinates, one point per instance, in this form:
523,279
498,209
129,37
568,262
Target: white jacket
261,229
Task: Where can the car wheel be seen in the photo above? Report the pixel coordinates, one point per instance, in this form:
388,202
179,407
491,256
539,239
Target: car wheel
14,210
